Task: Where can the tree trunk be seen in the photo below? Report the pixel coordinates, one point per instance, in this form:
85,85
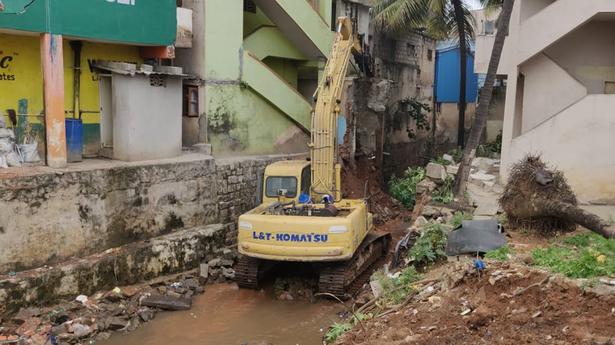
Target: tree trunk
541,207
486,93
463,58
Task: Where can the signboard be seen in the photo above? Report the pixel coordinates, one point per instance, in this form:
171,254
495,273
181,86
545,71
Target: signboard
142,22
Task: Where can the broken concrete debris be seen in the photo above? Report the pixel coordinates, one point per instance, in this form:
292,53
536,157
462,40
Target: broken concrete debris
119,309
171,301
436,172
425,187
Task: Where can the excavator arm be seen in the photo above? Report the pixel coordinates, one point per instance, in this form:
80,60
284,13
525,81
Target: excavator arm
323,148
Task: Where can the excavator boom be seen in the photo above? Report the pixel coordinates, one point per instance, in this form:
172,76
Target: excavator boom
325,170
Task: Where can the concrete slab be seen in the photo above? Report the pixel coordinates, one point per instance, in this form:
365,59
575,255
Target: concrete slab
485,200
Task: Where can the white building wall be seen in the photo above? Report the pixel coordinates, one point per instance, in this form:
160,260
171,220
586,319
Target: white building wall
558,56
548,90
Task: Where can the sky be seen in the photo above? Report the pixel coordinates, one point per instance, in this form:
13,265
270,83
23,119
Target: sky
474,4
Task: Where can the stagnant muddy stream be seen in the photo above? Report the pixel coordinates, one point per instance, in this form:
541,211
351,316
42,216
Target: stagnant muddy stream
225,315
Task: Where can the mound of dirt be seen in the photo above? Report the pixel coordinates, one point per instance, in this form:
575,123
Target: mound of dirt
361,178
507,304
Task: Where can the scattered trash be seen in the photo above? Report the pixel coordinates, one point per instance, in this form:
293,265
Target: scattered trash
83,299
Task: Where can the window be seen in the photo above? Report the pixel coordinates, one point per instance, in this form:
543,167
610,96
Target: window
306,180
411,49
191,100
249,6
281,186
490,27
429,54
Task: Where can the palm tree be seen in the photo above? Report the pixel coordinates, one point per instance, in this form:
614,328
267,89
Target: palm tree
441,19
485,99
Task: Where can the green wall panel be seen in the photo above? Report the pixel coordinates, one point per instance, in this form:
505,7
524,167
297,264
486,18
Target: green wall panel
147,22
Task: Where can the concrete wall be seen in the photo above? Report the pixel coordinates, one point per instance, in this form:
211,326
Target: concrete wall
146,119
252,78
572,134
580,142
578,54
49,215
548,90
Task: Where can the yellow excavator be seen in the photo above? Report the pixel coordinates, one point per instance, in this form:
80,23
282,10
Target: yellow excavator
303,217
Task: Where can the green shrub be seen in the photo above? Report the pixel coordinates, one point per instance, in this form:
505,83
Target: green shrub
490,149
586,255
339,328
441,161
404,188
458,219
444,193
336,330
430,247
457,154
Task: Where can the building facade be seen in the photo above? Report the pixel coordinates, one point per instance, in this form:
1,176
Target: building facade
560,91
447,82
255,66
61,39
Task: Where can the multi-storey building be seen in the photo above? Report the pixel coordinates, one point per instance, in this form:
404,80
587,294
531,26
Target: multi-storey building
561,90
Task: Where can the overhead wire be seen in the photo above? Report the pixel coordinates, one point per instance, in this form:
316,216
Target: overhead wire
20,12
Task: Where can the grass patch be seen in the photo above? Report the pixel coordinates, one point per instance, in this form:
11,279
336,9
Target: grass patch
586,255
500,254
339,328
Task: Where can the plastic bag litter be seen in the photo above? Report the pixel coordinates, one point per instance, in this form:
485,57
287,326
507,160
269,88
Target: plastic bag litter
6,146
29,152
3,164
6,133
12,159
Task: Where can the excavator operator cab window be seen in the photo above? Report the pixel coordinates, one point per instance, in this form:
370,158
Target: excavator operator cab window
306,180
287,185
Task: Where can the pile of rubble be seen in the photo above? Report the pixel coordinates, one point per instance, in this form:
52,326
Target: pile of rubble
93,318
508,303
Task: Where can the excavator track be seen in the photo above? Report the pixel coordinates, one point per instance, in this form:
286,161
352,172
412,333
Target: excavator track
246,272
344,279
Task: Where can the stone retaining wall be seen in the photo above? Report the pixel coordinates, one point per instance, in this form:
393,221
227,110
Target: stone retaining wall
48,216
129,264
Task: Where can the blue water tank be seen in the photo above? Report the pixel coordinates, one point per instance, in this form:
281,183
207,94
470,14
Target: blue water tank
74,140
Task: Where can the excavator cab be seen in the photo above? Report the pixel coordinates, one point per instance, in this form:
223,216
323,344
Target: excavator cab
286,181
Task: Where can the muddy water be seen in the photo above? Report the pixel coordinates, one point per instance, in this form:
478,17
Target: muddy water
225,315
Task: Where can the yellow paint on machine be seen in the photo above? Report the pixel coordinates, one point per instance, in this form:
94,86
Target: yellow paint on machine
301,238
21,74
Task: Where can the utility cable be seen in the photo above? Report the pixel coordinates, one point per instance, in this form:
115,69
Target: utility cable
22,11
